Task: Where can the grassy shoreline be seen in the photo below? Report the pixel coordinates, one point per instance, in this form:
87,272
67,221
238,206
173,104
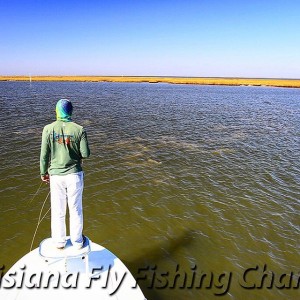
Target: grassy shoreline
289,83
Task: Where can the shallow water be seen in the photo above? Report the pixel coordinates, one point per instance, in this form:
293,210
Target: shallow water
184,181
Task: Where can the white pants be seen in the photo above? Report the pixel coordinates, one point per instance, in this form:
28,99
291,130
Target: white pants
66,189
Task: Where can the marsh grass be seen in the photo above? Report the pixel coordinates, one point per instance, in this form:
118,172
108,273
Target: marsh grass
292,83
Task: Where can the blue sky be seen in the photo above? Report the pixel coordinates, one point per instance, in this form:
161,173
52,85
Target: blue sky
213,38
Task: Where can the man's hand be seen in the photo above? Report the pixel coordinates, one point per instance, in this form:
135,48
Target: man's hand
45,178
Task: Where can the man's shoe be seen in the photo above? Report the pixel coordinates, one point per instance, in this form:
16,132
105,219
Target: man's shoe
79,246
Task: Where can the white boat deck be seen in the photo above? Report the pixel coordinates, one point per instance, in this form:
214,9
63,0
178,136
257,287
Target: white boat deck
92,272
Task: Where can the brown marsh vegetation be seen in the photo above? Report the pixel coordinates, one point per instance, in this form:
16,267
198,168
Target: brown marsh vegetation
293,83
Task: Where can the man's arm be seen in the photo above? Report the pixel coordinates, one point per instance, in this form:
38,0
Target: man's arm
44,157
84,145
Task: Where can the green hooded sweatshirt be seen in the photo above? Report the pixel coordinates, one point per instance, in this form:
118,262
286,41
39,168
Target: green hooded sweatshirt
64,145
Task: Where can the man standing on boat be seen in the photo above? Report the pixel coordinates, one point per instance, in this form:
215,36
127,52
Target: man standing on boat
64,145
